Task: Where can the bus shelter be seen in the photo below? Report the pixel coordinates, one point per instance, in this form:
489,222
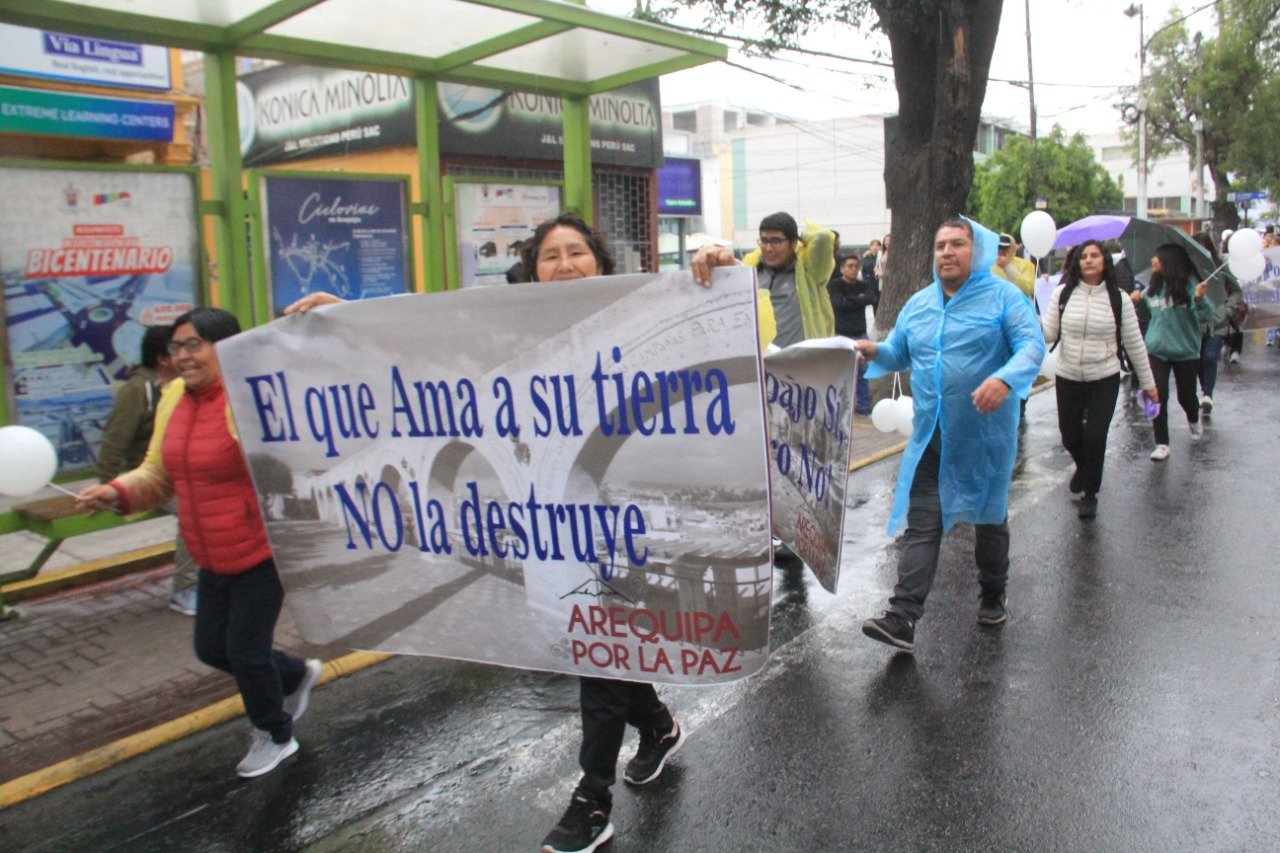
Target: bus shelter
560,49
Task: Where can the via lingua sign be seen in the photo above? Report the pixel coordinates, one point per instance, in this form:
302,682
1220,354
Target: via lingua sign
564,476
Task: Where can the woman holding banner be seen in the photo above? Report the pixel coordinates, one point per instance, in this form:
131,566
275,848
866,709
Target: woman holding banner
239,594
566,248
1081,318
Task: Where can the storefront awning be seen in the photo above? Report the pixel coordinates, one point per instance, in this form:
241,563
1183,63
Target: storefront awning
529,45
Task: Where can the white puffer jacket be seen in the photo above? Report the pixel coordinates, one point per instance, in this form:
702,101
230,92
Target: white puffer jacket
1087,351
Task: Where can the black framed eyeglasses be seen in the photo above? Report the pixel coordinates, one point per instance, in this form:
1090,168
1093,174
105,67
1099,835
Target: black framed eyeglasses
191,345
772,241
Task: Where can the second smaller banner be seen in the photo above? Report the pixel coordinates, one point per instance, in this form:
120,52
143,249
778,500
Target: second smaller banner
809,388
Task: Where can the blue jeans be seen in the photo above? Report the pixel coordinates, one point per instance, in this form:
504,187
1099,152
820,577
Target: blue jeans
918,563
1210,352
235,625
863,401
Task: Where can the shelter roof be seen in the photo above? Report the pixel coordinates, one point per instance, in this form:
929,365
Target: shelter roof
529,45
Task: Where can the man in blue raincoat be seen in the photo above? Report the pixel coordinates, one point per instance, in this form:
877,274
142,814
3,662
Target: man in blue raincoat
974,346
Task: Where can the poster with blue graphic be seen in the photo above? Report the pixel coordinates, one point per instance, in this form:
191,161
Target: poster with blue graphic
345,236
89,259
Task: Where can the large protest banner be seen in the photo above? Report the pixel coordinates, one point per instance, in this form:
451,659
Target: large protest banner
809,388
569,476
89,259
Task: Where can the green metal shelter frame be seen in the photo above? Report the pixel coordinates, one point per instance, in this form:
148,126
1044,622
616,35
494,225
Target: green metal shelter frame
545,46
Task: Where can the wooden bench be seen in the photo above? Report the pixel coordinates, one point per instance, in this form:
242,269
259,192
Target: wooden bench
57,520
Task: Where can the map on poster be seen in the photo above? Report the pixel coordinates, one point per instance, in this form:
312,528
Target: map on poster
345,236
88,259
493,221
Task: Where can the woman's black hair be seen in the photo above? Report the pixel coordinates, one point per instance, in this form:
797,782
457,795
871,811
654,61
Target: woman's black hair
211,324
1176,270
155,345
594,239
1071,268
1205,239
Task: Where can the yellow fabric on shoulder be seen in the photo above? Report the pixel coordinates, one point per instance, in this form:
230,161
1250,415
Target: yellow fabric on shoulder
767,325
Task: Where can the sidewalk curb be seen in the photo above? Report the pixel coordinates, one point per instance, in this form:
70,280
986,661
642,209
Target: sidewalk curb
73,769
87,573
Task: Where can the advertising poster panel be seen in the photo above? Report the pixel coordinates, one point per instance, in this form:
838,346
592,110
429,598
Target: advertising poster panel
570,477
292,112
52,55
810,391
493,221
88,258
345,236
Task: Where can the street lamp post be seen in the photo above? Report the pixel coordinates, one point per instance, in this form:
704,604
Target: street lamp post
1135,11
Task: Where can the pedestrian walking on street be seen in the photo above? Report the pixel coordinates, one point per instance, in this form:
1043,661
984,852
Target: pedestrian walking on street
566,248
1176,307
1216,330
239,592
1092,323
851,296
973,344
793,268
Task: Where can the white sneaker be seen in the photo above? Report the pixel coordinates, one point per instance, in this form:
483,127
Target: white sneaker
1235,358
1197,430
1206,404
1161,453
264,754
295,704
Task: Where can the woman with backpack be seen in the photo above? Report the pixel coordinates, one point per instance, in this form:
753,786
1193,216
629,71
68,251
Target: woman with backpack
1176,307
1094,325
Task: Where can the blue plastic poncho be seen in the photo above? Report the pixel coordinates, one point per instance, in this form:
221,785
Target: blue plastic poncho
988,328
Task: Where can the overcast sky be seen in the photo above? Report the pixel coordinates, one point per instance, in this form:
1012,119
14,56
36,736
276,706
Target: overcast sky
1089,44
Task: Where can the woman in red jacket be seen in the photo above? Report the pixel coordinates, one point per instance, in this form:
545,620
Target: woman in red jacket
239,594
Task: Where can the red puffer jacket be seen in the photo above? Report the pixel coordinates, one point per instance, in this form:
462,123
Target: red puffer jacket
217,508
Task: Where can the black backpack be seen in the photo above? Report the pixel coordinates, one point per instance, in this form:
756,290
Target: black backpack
1116,295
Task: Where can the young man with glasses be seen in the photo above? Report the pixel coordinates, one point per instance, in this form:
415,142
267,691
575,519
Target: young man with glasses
794,268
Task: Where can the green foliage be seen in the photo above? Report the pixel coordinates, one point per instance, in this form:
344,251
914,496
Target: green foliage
1060,170
1232,82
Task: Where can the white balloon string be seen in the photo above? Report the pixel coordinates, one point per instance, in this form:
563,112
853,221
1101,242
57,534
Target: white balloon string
67,491
1221,266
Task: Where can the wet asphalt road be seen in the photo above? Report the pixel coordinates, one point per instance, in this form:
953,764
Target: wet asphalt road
1132,702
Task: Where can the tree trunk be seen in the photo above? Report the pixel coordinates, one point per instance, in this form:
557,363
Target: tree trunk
941,56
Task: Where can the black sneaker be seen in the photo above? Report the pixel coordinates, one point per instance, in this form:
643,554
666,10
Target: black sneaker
1088,506
991,610
653,754
894,629
584,827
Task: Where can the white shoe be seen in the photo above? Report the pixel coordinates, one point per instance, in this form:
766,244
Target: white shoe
264,755
1235,358
1197,430
1161,453
1206,404
295,704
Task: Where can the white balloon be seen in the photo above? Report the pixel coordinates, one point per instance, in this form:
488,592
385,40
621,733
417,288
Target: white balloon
1038,233
884,414
27,461
1245,243
1247,268
904,415
1049,364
